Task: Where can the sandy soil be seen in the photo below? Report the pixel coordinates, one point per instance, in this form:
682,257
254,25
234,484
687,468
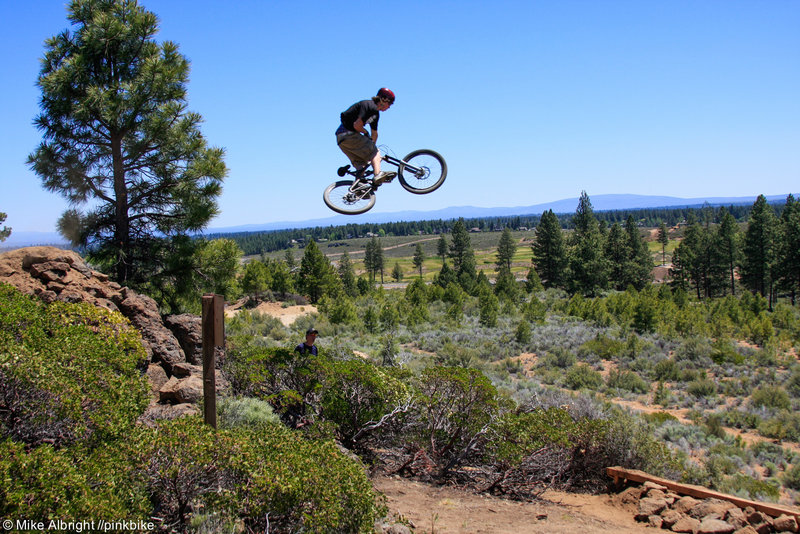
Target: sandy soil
287,315
447,510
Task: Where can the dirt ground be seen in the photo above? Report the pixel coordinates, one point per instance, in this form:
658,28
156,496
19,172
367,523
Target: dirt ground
287,315
447,510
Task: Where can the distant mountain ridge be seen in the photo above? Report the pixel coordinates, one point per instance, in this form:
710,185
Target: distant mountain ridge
568,205
608,202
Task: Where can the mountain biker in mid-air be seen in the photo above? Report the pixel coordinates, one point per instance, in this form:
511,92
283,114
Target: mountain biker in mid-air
351,136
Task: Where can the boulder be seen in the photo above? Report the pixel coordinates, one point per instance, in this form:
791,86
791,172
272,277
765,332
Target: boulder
713,508
686,524
670,517
685,504
714,526
188,330
650,506
736,517
785,523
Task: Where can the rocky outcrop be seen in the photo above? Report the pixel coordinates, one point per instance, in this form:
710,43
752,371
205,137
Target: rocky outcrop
173,343
664,509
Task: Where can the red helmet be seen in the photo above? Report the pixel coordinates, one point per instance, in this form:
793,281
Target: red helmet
387,94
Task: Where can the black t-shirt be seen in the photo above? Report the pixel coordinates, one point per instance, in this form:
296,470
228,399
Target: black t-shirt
302,348
366,110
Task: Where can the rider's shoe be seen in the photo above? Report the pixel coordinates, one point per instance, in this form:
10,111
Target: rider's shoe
383,177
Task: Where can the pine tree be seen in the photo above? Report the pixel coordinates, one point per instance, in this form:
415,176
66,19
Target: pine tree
462,254
316,276
120,145
506,248
549,251
5,231
347,275
617,253
759,257
441,248
727,244
640,264
789,260
663,240
397,272
587,263
419,258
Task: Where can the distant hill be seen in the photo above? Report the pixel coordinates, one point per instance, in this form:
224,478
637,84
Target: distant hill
567,205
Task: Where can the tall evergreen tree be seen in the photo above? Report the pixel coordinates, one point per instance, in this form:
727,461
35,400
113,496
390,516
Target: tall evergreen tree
663,240
506,248
549,251
727,245
789,259
373,259
462,254
120,145
441,248
587,263
618,253
759,250
640,264
316,276
419,258
347,275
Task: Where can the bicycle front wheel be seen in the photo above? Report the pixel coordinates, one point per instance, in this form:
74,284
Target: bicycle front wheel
422,171
343,198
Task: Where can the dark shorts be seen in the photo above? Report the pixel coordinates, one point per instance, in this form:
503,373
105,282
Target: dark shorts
359,148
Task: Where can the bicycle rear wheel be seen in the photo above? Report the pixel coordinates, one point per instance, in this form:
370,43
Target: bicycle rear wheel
422,171
343,198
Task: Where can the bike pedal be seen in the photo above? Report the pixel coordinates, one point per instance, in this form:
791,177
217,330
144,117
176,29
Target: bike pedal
343,170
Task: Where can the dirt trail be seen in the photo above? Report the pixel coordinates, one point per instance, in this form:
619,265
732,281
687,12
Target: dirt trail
446,510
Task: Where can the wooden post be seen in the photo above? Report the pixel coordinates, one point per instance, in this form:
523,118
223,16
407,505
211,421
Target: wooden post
213,336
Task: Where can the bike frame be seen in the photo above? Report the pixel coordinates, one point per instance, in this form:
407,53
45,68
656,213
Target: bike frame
397,162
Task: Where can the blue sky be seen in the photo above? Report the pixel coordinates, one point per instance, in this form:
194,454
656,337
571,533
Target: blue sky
528,101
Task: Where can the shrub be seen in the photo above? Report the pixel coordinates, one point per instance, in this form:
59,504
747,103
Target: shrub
244,411
702,387
71,483
791,477
68,372
771,397
628,381
748,487
581,376
603,346
261,475
453,414
360,398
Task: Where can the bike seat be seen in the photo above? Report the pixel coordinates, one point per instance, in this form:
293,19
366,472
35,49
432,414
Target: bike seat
343,170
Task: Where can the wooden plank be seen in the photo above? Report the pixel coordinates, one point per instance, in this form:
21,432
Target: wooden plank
774,510
213,325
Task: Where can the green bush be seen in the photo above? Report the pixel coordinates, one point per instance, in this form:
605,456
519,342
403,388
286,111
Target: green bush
628,381
355,393
748,487
791,477
244,411
261,475
71,483
771,397
581,376
68,372
702,387
603,346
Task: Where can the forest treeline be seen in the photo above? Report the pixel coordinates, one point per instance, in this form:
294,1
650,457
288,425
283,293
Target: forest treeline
269,241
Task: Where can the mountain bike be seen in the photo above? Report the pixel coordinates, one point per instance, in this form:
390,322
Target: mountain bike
420,172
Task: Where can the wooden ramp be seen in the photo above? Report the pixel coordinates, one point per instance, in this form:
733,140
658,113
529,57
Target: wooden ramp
621,475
